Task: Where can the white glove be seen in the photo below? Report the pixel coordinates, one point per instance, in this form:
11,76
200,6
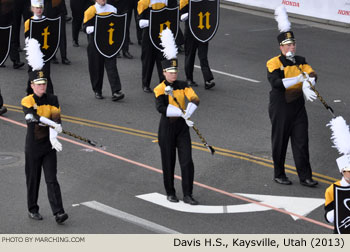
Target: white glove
308,92
288,82
54,142
184,17
191,107
143,23
173,111
312,80
185,116
168,90
51,123
300,78
189,123
90,29
330,216
30,118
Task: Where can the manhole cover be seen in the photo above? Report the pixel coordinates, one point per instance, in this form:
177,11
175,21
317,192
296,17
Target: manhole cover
6,159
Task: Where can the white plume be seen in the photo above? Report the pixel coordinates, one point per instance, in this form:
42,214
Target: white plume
340,135
168,43
281,17
34,54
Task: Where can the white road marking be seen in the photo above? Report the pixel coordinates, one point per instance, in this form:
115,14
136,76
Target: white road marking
129,217
297,205
232,75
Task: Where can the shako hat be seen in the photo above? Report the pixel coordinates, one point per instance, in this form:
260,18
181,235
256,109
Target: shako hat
170,63
37,3
286,36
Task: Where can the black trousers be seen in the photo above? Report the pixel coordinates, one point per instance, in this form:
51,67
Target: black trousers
47,72
149,56
78,7
42,158
1,100
289,120
132,8
191,46
97,63
21,9
63,38
172,136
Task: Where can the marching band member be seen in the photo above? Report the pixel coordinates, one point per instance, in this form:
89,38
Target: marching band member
287,105
150,55
42,113
341,140
174,125
96,60
191,46
37,7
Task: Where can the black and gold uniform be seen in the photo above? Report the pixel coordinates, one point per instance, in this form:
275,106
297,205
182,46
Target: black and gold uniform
39,153
329,198
173,133
150,55
191,47
54,9
12,12
288,116
46,68
96,60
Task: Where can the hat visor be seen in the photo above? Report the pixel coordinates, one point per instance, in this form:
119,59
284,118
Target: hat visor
288,41
40,81
171,70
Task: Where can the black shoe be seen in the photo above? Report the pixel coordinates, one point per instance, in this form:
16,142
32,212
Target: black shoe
127,55
98,96
172,198
54,60
117,96
308,182
61,217
139,42
147,90
66,61
188,199
75,43
118,55
3,110
283,181
3,65
191,83
35,216
17,64
209,84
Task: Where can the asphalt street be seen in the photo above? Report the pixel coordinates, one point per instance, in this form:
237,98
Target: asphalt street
117,189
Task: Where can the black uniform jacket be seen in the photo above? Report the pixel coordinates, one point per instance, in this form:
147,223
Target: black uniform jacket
46,106
277,69
180,91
